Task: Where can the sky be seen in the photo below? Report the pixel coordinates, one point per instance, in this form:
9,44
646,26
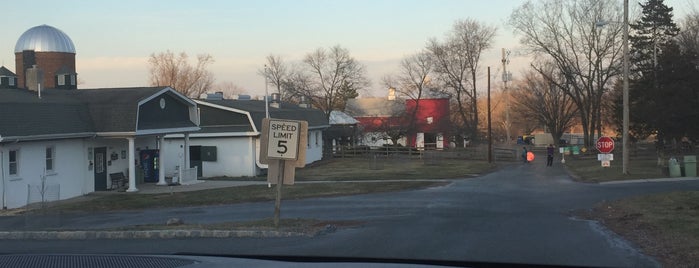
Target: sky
114,39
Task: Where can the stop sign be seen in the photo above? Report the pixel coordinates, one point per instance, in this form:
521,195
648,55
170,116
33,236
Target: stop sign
605,145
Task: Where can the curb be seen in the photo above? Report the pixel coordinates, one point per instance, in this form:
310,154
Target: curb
149,234
650,180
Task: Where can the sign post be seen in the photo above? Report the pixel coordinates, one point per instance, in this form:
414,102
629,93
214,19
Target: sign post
280,149
605,145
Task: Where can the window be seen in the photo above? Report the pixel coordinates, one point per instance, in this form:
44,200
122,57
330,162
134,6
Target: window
61,80
308,140
72,80
14,162
317,142
12,81
50,155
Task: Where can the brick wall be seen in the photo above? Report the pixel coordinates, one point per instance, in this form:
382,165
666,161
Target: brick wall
48,62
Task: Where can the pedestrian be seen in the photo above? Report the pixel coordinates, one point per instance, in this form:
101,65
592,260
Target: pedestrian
524,154
549,155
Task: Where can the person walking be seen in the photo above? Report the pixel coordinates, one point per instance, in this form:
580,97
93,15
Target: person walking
549,155
524,154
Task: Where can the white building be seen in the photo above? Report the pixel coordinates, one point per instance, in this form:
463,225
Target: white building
228,143
74,139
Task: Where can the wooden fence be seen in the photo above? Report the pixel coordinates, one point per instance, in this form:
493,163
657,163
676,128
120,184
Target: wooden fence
478,152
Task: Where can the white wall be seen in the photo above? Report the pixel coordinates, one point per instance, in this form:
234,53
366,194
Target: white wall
69,166
314,149
235,156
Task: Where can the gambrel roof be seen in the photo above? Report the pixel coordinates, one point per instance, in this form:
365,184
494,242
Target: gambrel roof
76,113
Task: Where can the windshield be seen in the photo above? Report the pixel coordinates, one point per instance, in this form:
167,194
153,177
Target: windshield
410,132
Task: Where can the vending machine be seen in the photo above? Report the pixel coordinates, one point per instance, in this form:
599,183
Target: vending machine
149,164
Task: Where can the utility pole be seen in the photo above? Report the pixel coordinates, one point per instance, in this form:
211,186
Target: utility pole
266,93
490,130
625,127
505,78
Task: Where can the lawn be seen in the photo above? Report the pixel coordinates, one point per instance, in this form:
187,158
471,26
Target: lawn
665,226
231,195
590,169
383,173
381,168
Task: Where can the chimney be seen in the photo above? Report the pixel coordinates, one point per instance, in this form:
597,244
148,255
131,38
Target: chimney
304,103
276,101
34,78
391,93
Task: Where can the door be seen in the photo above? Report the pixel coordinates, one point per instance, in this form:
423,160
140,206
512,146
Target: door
100,169
195,159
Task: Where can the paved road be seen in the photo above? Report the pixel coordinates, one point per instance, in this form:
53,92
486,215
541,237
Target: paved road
519,214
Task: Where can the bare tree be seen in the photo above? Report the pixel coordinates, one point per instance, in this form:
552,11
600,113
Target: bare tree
168,69
328,78
395,126
688,39
276,73
568,33
229,89
540,100
412,81
456,61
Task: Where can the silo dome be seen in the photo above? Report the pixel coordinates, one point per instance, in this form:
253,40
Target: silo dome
45,38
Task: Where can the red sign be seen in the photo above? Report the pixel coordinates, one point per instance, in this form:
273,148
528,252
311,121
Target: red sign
605,145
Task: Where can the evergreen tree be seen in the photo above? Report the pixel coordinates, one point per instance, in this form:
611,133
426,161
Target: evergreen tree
650,33
654,64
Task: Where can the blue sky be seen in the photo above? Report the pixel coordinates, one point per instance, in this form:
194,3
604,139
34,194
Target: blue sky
113,39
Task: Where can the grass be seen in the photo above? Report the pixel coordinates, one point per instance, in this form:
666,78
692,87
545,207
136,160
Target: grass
663,225
289,225
382,168
391,169
591,170
336,170
239,194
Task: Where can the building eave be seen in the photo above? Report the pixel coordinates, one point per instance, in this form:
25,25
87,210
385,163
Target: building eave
165,131
7,139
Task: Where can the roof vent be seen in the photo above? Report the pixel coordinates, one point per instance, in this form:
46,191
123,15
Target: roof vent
243,97
214,96
276,101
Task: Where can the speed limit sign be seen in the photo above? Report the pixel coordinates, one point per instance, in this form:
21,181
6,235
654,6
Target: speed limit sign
283,140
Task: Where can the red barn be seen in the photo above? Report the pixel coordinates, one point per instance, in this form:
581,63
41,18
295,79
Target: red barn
421,123
431,122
